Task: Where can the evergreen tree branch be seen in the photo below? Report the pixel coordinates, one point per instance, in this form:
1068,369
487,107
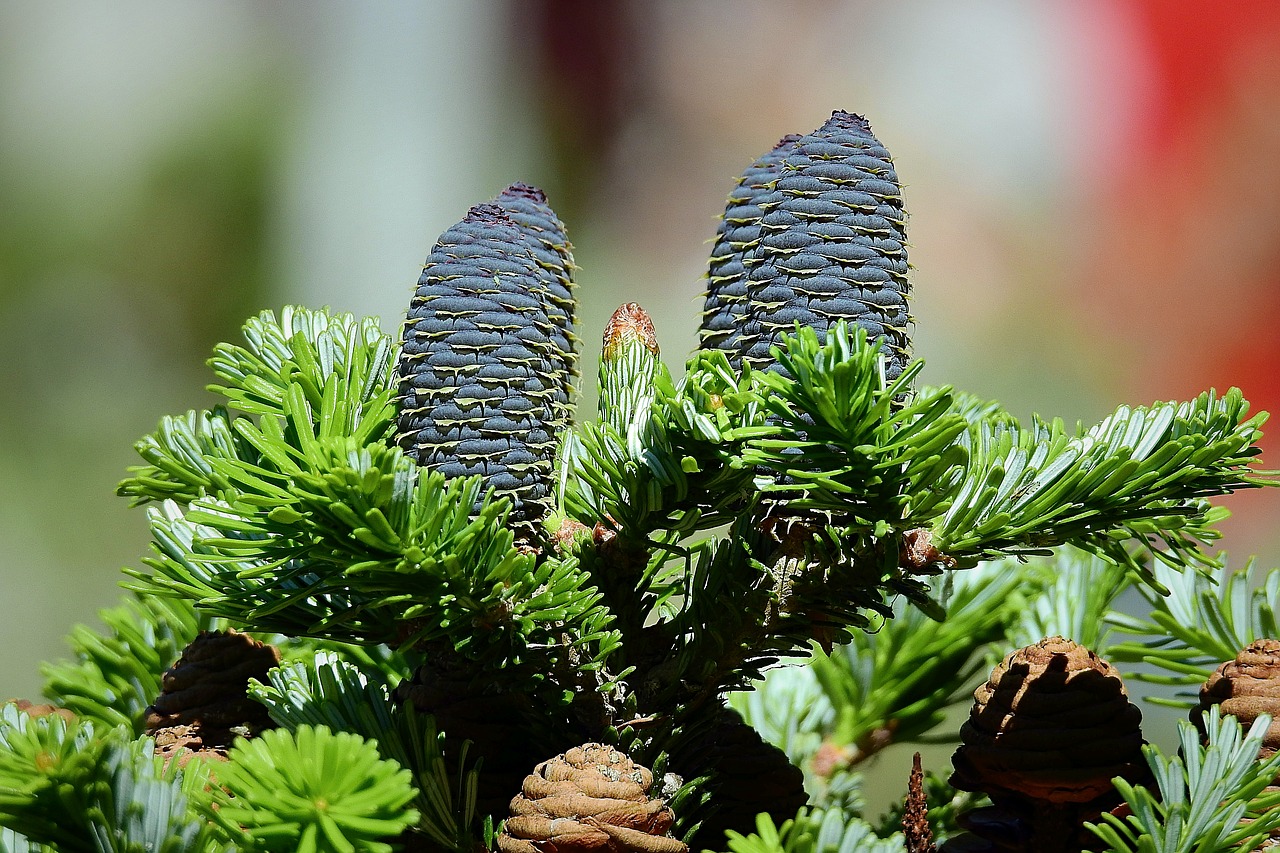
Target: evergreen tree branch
117,674
1209,800
1139,474
327,691
1202,622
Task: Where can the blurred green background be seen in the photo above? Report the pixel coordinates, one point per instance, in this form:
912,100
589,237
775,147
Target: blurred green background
1094,190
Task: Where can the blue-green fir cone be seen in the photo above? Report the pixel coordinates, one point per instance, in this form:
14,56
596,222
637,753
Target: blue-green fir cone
737,250
544,234
813,234
487,357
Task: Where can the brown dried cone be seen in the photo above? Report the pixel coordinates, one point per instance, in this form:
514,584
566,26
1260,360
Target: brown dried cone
501,725
1244,688
1047,733
591,798
748,776
203,705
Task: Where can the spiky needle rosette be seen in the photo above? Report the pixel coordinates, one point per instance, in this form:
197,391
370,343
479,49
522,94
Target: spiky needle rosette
488,351
814,233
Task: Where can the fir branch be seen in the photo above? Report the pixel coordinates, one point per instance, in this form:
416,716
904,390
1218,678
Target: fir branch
1141,473
16,842
65,785
1208,800
341,365
330,692
359,544
48,770
665,456
1064,595
144,807
895,683
845,443
116,674
179,457
307,374
1202,622
888,685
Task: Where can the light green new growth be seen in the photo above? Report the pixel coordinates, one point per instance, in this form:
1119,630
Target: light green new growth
815,831
310,791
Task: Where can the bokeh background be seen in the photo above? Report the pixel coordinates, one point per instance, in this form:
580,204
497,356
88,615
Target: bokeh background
1094,190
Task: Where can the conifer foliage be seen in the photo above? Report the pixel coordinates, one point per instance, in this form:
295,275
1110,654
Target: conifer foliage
479,595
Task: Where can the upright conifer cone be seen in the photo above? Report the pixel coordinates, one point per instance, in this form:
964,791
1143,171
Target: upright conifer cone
488,354
737,250
813,234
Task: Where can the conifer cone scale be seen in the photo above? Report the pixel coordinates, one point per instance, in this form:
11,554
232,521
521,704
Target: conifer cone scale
488,353
204,703
591,798
814,234
1245,688
1046,735
736,251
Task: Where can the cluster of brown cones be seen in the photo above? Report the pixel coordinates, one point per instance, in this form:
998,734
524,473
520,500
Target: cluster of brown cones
1047,733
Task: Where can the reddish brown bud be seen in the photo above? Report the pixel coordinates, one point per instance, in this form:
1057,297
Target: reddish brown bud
629,323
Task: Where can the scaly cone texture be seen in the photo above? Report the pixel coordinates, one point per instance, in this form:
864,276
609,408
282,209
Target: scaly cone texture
591,798
737,251
814,233
488,351
916,832
1246,687
203,705
1047,733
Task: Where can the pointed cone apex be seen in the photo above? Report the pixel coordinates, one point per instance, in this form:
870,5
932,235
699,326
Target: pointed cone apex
1245,688
629,323
915,817
814,233
488,353
591,798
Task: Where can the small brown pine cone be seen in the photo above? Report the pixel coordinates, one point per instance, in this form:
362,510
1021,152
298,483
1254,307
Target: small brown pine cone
1246,687
1047,733
204,704
591,798
748,776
